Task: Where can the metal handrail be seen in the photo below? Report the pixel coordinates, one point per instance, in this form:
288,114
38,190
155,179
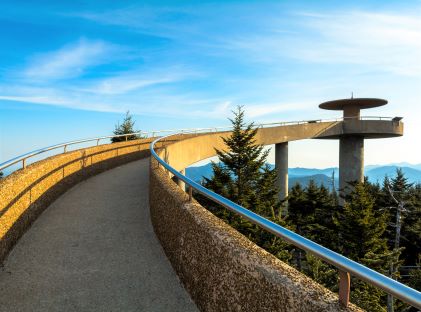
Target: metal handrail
346,266
22,158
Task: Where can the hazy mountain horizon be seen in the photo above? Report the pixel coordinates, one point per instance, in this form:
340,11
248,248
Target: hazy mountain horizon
302,175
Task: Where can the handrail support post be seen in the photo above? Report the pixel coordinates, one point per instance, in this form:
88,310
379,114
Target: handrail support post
344,288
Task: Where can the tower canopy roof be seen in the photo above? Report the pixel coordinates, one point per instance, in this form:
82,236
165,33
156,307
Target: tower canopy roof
360,103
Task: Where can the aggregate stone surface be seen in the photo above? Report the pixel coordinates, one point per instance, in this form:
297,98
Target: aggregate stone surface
94,249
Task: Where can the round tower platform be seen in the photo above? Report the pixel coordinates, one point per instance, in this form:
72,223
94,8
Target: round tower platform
352,106
351,138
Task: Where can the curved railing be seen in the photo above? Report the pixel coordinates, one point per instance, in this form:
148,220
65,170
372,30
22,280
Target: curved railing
23,158
343,264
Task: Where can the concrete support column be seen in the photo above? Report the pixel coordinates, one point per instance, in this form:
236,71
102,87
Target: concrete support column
352,111
351,160
281,165
180,183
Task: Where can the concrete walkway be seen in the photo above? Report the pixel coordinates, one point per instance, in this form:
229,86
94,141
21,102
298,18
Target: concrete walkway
94,249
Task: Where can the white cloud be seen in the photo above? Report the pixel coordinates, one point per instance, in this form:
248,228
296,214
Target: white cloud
260,110
162,21
37,99
156,103
124,85
136,79
385,42
49,97
374,40
69,61
381,41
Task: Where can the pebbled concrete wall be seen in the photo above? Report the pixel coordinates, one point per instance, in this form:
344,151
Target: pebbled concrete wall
27,192
220,268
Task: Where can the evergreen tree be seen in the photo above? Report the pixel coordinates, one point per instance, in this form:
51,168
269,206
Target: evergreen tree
375,191
126,127
310,210
243,177
415,279
362,234
298,216
1,174
302,207
415,275
411,227
321,272
325,231
363,229
396,196
395,191
360,226
241,174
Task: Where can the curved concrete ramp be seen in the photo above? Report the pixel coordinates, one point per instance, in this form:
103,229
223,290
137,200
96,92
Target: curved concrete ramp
94,249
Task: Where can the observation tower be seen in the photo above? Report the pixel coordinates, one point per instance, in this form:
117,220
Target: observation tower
354,130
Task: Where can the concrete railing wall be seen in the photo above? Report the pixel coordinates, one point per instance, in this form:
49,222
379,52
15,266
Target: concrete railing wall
27,192
220,268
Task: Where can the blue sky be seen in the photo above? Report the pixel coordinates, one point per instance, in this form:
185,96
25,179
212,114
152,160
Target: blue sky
70,69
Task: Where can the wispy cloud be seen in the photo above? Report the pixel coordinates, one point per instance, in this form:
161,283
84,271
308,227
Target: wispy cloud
56,97
159,103
69,61
387,42
172,22
270,62
126,82
376,40
384,41
265,109
121,85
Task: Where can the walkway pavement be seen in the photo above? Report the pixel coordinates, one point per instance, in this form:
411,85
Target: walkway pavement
94,249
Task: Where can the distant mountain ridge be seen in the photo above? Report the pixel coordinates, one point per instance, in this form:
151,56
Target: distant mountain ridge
375,173
378,174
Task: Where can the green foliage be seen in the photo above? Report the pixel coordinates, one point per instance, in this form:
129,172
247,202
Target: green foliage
126,127
412,241
399,188
1,174
363,229
243,177
321,272
411,226
311,211
415,279
367,297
